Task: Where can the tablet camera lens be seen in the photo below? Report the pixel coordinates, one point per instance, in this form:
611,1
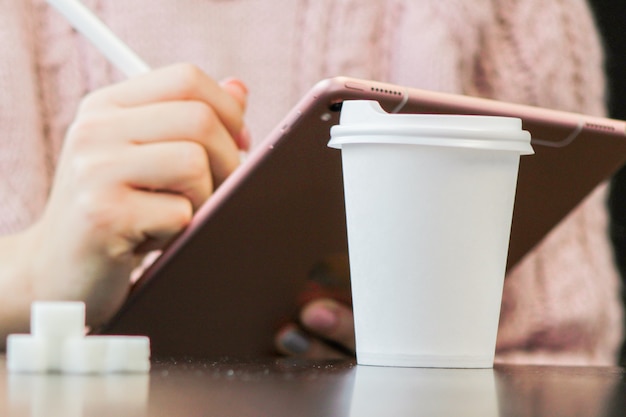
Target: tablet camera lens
336,106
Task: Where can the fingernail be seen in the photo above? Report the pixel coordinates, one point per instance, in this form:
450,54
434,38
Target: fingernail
295,342
236,81
243,139
321,319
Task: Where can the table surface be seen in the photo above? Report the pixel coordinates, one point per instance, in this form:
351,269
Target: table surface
295,387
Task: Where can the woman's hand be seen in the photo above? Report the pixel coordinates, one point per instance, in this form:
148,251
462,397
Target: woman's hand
140,158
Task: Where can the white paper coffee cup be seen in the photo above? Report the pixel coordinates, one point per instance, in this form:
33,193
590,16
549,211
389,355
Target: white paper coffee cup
429,203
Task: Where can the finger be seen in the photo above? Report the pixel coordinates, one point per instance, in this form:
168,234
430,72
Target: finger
239,91
171,121
173,83
185,120
120,221
330,320
292,341
177,167
156,219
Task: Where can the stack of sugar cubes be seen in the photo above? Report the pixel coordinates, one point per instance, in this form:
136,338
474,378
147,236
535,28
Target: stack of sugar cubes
57,343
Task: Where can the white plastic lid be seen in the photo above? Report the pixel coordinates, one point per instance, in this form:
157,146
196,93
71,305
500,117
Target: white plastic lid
365,121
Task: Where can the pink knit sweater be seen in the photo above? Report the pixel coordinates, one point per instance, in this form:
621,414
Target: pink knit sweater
560,305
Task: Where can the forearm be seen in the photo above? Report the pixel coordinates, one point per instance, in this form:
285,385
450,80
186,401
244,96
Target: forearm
16,293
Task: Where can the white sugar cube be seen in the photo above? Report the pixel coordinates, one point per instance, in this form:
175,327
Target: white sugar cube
26,353
58,343
54,351
57,319
128,354
98,354
86,355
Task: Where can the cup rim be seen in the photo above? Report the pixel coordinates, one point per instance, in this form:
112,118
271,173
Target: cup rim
496,140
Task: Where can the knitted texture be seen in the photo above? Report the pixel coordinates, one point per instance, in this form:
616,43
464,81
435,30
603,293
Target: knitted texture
560,304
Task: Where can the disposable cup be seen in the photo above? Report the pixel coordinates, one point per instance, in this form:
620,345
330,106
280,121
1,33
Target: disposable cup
429,202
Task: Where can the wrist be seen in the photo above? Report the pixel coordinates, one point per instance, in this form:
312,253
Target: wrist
16,282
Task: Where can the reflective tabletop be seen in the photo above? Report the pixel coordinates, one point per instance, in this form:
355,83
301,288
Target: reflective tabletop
292,387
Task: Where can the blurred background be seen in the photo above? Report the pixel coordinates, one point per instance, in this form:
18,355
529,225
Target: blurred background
611,18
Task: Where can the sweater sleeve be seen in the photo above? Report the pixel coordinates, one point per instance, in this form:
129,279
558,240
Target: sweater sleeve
24,167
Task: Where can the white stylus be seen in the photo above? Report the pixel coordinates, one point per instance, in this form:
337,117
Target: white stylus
116,51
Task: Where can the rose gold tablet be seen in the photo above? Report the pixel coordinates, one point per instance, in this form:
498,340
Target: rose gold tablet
277,224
